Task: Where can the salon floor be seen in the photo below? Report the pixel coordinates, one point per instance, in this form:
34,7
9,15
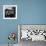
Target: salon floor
27,43
8,45
30,43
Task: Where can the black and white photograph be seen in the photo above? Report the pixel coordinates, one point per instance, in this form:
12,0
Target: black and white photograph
9,11
29,35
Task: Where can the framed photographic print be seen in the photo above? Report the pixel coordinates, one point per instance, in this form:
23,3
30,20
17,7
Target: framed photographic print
9,11
32,32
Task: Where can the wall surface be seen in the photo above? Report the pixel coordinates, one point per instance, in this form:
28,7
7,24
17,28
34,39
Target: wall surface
34,12
7,26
